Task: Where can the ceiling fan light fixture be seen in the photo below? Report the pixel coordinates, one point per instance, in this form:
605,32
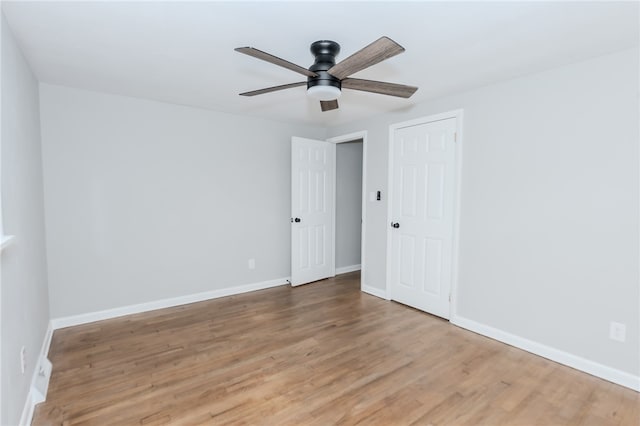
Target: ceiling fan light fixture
326,79
324,93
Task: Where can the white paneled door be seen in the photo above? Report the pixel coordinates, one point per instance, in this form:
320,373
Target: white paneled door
422,215
312,210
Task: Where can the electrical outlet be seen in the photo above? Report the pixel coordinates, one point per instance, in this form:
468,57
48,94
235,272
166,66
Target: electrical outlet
252,264
617,331
23,359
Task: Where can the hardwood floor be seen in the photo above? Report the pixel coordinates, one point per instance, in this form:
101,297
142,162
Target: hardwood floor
319,354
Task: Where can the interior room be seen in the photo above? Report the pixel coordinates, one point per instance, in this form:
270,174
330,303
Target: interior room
320,213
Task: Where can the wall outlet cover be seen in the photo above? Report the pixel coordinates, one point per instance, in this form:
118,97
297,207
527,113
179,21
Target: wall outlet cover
617,331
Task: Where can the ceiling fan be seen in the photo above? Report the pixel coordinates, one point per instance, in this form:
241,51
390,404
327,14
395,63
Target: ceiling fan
326,79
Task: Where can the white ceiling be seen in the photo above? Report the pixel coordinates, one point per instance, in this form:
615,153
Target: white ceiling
182,52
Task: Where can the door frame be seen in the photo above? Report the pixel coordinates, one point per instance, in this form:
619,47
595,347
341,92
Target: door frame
458,115
351,137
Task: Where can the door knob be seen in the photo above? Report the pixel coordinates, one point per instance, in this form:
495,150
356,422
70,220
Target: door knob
296,220
395,225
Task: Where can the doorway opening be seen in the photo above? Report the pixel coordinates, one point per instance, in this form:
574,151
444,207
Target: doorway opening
350,206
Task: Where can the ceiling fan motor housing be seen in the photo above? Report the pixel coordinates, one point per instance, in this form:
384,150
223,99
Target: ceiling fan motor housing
325,52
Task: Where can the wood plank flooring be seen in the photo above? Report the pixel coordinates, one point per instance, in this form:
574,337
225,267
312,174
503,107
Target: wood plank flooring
320,354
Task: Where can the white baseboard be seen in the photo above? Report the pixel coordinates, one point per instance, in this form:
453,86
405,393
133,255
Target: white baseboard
164,303
382,294
27,411
346,269
595,369
38,387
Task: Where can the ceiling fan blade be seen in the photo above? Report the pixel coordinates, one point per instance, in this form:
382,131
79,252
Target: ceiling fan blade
273,89
378,51
391,89
275,60
329,105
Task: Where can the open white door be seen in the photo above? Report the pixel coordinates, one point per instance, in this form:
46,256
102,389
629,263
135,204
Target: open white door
422,215
312,210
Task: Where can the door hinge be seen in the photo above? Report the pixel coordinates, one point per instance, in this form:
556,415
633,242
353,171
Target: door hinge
455,136
449,298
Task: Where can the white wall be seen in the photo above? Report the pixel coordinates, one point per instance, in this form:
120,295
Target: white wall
25,304
147,201
348,203
549,215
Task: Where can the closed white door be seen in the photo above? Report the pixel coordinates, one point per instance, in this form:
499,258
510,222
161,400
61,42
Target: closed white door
312,210
422,214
